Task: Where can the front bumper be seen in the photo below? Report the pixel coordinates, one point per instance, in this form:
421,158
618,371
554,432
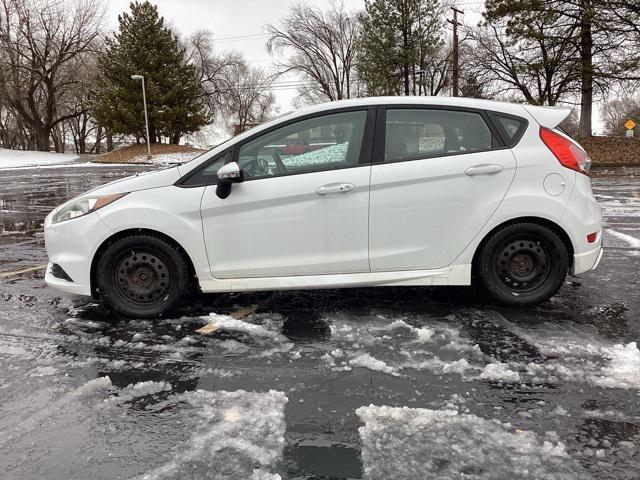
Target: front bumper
65,285
72,245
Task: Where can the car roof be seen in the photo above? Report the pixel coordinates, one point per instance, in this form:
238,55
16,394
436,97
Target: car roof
462,102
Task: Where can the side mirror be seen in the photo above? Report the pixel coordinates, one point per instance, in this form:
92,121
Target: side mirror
228,174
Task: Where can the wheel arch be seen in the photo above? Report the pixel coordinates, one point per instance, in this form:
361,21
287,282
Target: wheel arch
138,231
551,225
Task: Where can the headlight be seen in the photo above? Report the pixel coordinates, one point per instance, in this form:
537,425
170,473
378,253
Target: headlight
82,206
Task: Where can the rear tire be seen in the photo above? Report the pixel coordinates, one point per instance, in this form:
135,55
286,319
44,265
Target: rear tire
142,276
521,264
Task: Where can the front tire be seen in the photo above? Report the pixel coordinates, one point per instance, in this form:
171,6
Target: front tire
142,276
522,264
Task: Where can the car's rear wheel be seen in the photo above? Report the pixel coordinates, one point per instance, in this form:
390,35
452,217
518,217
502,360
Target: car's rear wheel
142,276
522,264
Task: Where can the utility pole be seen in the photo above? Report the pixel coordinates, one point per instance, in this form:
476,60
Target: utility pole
454,54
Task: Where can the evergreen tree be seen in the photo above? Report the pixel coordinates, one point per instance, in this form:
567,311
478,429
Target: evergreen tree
398,37
144,45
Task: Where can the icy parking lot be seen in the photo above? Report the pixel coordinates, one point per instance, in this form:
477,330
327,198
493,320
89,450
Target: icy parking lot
380,384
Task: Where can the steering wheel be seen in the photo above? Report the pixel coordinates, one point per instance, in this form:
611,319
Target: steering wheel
282,170
257,168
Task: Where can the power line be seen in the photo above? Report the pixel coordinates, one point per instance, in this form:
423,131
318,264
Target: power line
241,37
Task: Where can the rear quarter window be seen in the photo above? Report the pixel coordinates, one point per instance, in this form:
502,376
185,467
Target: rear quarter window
511,128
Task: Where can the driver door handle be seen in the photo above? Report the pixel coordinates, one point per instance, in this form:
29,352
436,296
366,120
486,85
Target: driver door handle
484,169
335,188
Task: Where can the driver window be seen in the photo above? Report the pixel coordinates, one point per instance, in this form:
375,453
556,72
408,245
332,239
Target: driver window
321,143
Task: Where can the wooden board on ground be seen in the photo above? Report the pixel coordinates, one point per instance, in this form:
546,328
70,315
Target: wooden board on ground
240,313
13,273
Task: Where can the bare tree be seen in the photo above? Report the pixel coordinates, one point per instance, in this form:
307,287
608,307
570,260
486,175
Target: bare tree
75,105
249,100
40,40
617,111
234,92
215,71
541,69
323,50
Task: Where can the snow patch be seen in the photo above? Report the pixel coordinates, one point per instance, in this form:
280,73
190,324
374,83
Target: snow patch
12,350
92,387
499,372
367,361
239,435
623,369
417,443
26,158
140,389
633,241
43,371
167,158
423,334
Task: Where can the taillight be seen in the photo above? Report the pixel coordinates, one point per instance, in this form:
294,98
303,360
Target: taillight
592,237
568,153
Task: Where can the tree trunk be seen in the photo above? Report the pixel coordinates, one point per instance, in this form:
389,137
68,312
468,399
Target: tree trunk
98,139
586,70
405,66
41,135
109,141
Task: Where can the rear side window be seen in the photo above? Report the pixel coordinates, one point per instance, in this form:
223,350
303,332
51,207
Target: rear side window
421,133
511,128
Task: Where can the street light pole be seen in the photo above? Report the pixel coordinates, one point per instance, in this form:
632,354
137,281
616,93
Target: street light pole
146,118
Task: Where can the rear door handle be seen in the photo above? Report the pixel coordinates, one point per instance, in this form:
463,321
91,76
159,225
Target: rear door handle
335,188
484,169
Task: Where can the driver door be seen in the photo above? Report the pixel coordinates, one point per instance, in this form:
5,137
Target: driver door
303,207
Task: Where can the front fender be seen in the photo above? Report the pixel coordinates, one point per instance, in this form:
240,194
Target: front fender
170,210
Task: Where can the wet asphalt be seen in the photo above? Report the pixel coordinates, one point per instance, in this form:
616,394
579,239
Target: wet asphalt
307,387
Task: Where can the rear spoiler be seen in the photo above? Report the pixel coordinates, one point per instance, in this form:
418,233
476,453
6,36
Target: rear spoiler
549,117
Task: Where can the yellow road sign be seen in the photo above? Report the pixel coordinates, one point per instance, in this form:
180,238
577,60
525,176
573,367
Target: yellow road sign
630,125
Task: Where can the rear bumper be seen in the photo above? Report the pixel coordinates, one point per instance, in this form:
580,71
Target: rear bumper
583,262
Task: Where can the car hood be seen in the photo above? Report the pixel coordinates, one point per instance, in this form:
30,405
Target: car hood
139,181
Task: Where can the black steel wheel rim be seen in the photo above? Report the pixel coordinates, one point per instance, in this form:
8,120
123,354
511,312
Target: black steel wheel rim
522,264
142,277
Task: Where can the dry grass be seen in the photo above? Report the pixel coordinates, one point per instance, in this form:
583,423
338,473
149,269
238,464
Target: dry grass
138,153
611,151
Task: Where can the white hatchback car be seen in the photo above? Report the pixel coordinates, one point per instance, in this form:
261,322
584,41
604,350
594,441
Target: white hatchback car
369,192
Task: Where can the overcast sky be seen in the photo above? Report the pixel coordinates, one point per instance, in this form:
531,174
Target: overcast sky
236,25
239,25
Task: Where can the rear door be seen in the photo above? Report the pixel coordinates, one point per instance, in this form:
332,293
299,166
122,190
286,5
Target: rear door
438,176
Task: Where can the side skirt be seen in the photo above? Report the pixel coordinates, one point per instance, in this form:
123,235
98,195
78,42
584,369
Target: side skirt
454,275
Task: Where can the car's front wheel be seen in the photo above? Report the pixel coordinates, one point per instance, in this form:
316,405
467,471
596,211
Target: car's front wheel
521,264
142,276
